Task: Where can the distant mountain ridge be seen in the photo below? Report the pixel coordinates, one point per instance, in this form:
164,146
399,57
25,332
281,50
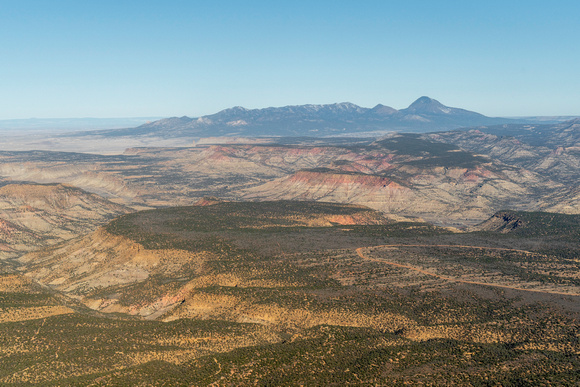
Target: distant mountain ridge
423,115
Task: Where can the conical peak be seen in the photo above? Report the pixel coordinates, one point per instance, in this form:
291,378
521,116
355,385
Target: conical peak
427,105
426,101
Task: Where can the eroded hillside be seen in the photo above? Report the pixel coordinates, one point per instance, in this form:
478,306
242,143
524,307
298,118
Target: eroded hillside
550,150
409,176
34,215
403,175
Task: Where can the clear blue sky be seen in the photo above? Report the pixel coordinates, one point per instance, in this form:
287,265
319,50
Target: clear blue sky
101,58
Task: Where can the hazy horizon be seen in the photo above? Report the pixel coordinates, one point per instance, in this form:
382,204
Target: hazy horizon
88,123
129,59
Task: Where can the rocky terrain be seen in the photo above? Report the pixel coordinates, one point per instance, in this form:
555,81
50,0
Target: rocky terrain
33,215
409,176
432,184
401,175
550,150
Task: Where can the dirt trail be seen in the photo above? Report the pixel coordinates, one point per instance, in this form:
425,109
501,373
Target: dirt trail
419,270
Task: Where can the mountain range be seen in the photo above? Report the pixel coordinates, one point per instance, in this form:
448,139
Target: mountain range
423,115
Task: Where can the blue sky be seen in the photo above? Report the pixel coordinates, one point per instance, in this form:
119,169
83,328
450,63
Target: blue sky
171,58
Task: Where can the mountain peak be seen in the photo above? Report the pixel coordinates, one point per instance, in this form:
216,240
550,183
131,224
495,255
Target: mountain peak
345,105
425,101
427,105
235,109
384,110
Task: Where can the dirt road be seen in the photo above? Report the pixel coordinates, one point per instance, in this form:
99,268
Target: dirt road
360,253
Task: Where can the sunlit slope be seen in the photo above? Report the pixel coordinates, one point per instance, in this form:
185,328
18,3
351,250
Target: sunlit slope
150,260
34,215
